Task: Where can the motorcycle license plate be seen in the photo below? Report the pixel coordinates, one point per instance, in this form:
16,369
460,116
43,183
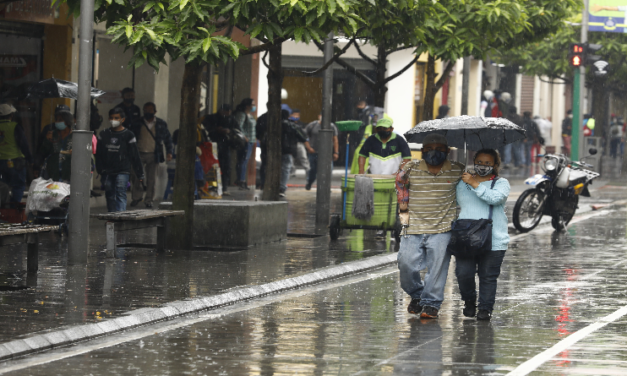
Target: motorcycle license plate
535,180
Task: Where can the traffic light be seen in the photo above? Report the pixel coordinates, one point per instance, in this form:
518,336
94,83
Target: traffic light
590,59
576,54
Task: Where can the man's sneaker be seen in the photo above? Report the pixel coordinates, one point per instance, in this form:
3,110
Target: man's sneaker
484,315
308,187
149,205
282,194
135,202
414,307
380,234
429,313
470,308
226,193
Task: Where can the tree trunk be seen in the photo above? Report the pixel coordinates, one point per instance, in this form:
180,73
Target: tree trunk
273,135
380,88
430,91
183,197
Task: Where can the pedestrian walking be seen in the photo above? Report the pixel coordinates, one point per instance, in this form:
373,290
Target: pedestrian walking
531,144
14,152
616,137
290,135
386,150
567,131
54,156
477,194
300,151
431,208
116,157
132,114
545,126
46,130
513,153
246,122
152,135
219,126
312,145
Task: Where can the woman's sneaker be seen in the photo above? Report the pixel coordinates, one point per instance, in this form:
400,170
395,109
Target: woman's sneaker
484,315
470,308
429,313
414,307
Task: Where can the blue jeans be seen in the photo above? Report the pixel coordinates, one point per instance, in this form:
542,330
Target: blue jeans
286,167
489,268
418,252
242,161
115,191
15,177
514,151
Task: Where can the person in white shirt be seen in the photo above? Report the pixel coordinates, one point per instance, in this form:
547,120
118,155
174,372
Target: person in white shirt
545,126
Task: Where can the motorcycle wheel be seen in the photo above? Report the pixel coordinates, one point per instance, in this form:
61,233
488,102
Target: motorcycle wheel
528,210
560,221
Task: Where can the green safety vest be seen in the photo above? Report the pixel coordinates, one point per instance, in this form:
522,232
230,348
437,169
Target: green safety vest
8,146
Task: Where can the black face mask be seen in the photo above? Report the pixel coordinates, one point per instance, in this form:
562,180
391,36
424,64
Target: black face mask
129,100
384,134
149,115
435,157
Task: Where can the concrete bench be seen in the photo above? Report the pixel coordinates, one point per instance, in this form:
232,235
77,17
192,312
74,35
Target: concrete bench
25,234
135,220
237,224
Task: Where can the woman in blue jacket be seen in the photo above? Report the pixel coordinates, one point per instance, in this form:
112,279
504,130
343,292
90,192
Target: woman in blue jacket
475,194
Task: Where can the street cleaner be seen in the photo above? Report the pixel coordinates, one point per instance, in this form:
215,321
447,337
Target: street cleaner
385,150
427,203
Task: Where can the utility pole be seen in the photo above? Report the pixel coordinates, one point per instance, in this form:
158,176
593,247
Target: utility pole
81,144
325,145
465,85
579,93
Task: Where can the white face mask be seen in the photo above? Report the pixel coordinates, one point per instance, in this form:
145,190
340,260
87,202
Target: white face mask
114,123
570,116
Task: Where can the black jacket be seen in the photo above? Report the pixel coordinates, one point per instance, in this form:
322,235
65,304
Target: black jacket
133,116
291,134
117,153
532,131
162,137
213,122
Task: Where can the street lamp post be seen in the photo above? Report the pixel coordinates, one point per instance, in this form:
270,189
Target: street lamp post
81,144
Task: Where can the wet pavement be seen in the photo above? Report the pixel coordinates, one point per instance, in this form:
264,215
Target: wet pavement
554,287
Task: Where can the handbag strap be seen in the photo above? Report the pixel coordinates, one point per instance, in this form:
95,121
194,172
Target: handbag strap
492,187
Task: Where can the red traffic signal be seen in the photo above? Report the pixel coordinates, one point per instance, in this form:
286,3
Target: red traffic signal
575,61
576,54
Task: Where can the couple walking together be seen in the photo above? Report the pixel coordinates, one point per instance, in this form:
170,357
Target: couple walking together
436,186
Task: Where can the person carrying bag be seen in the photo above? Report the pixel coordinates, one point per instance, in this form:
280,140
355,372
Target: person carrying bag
480,235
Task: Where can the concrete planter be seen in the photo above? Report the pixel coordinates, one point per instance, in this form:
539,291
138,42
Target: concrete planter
237,224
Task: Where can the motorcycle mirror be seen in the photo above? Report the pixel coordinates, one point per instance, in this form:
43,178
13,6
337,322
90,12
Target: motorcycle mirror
592,151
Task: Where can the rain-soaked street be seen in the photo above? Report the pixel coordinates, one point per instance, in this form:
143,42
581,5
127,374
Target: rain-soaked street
560,309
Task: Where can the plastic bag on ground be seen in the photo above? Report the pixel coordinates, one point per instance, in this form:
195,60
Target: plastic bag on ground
45,195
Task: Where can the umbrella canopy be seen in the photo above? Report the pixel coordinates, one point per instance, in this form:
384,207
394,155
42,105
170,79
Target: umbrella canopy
53,88
474,132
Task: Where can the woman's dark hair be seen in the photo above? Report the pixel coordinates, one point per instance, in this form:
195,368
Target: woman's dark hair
243,104
495,154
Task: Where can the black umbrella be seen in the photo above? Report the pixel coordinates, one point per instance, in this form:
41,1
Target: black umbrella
53,88
473,132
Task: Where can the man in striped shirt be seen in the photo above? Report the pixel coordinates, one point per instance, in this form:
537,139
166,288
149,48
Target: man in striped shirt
432,207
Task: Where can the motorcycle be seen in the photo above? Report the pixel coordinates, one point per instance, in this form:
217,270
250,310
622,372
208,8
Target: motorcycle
555,193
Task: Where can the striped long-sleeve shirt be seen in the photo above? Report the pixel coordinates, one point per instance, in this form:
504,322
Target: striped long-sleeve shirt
432,198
